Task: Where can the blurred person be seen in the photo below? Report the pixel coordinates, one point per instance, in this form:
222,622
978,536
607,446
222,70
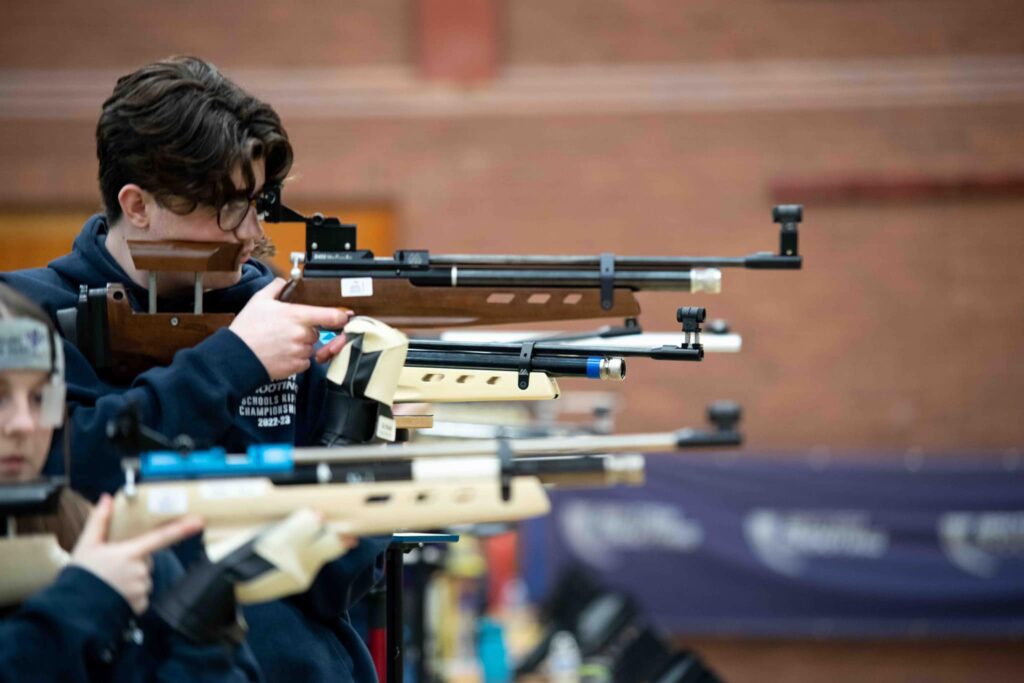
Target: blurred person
93,622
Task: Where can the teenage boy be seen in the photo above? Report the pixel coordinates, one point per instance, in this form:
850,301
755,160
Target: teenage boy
183,153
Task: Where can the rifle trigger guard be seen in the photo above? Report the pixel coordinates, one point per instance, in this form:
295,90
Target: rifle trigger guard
506,467
525,364
607,276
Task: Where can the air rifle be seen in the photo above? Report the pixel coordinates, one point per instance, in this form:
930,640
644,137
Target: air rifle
417,289
554,358
414,289
358,490
425,486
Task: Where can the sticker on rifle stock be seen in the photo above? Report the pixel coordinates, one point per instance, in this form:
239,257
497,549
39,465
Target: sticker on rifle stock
356,286
172,500
233,488
386,428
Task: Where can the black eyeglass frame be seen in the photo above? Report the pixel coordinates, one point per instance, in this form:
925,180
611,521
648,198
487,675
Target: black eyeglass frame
258,202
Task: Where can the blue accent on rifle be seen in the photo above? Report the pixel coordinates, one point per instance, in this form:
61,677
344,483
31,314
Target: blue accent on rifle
260,459
414,538
594,367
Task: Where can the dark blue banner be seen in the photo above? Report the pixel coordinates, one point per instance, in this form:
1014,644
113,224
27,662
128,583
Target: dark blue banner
764,545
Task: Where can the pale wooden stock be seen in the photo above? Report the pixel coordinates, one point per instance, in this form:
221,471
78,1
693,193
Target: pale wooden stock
27,565
453,385
231,506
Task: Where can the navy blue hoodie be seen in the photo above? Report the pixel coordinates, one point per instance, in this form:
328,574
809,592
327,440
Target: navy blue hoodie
217,392
81,629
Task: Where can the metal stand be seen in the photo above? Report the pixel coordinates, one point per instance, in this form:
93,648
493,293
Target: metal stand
394,562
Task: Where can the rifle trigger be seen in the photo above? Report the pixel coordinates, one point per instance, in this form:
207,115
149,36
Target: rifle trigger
525,364
607,276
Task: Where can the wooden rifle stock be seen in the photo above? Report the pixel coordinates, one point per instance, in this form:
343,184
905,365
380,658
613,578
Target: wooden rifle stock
231,506
400,303
455,385
122,342
136,342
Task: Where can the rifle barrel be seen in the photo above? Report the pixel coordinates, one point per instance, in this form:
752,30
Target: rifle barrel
588,261
707,280
616,443
597,468
595,367
544,349
649,280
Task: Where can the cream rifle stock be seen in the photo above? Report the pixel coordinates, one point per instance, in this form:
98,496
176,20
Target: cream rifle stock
460,385
241,505
28,563
239,493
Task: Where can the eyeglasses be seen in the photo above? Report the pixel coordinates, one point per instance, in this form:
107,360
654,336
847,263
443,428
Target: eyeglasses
231,215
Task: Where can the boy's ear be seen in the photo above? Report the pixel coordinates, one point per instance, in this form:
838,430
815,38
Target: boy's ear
134,205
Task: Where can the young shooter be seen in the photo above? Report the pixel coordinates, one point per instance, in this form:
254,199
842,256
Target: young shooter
92,622
182,154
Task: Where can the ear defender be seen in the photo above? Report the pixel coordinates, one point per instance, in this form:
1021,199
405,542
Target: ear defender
361,384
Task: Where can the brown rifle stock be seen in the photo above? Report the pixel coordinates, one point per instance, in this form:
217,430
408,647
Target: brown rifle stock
400,303
137,341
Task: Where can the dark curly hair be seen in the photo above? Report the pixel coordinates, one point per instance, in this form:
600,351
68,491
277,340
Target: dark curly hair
178,129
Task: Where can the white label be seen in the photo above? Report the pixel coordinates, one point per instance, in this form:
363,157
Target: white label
168,501
356,286
233,488
385,428
445,469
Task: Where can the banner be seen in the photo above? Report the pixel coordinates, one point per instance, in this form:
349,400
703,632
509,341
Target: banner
741,544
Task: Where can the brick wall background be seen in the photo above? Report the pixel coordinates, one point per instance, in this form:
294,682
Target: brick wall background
902,333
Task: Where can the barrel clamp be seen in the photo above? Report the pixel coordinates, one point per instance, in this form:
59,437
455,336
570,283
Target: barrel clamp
607,277
525,364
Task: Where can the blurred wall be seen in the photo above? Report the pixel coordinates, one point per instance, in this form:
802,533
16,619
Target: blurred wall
643,127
